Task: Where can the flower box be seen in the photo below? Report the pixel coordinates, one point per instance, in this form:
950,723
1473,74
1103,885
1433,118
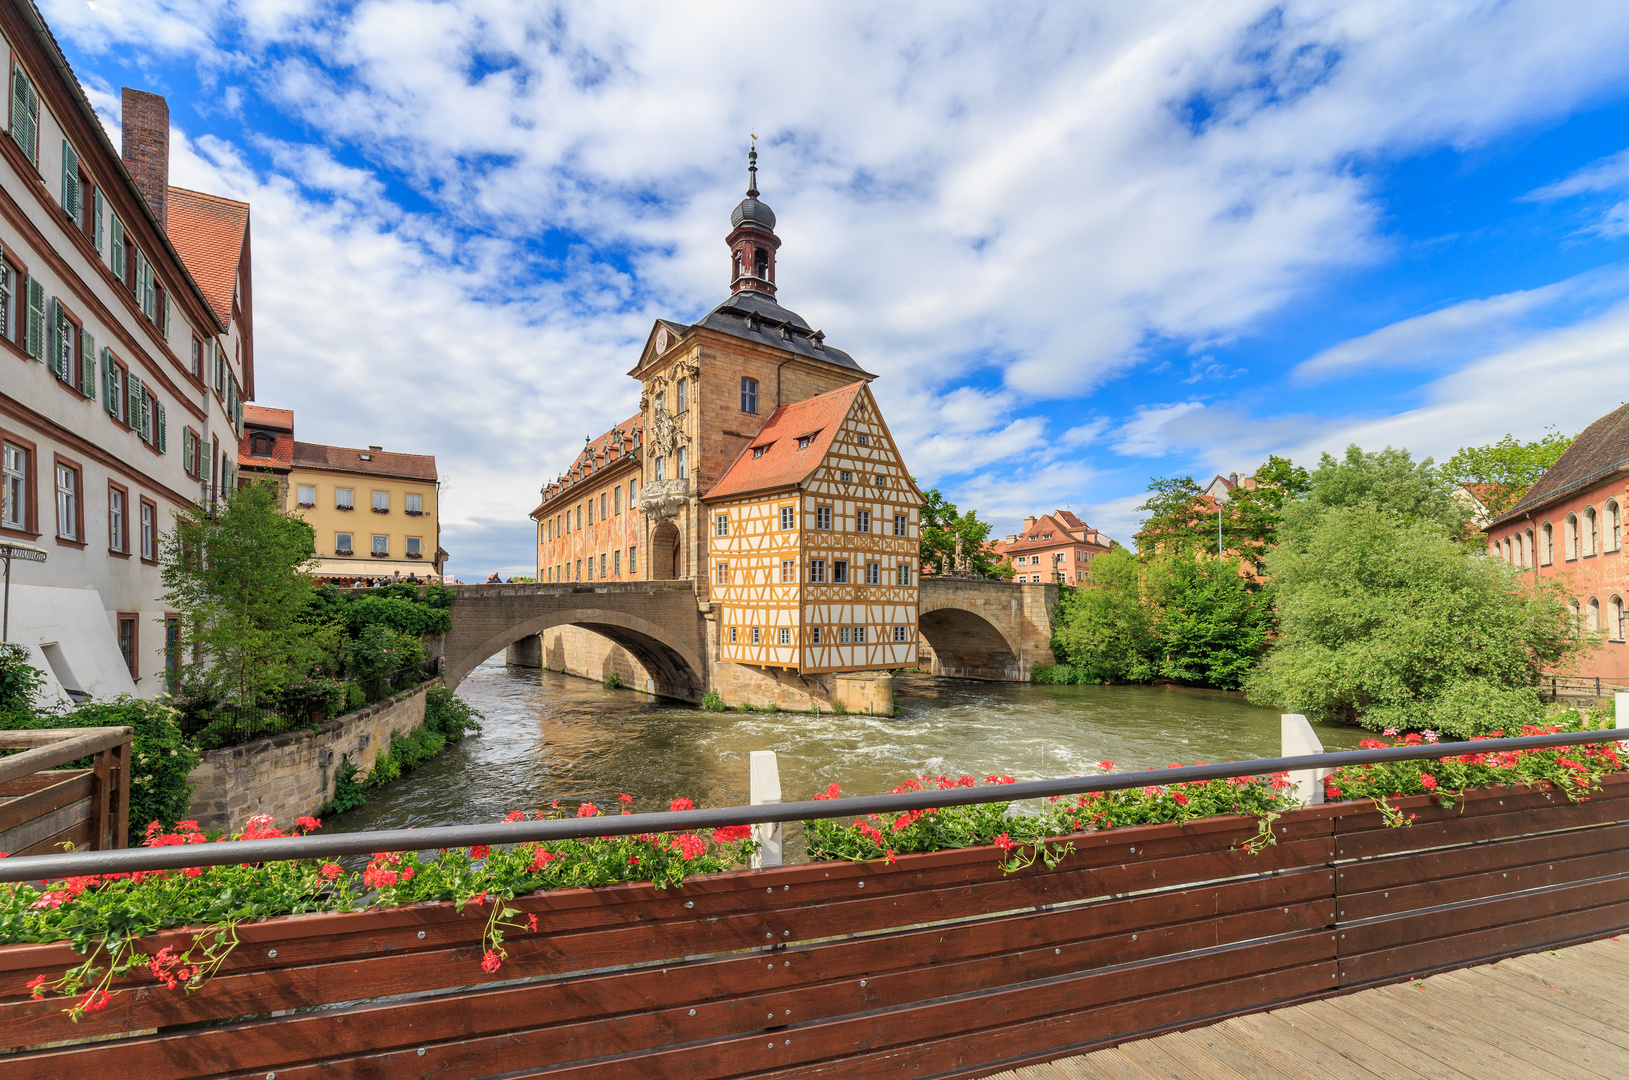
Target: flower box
381,554
381,510
343,551
415,554
306,506
414,513
344,508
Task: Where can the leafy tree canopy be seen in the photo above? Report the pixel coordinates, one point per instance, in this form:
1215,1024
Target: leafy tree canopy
941,525
1508,466
1390,481
1387,621
1175,521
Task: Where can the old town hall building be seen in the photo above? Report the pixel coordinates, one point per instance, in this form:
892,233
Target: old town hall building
760,468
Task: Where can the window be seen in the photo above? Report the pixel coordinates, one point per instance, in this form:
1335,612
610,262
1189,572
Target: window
415,547
118,531
862,521
1615,619
604,497
1546,545
1569,538
633,560
344,499
1589,541
679,471
197,358
602,564
814,635
1592,616
902,574
817,571
342,544
721,525
1614,525
127,641
803,441
579,517
381,545
873,573
591,568
68,527
899,524
749,395
789,574
579,569
616,559
758,452
755,635
684,395
787,518
786,636
862,438
661,469
1527,548
415,504
822,517
839,572
844,475
306,496
591,510
843,633
901,633
859,635
381,502
733,631
25,115
633,494
149,531
16,493
616,501
7,292
721,574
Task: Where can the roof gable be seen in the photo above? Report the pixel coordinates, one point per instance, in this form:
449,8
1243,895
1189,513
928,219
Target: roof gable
1599,451
772,458
208,233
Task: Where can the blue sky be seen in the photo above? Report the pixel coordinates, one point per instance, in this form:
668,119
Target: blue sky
1082,244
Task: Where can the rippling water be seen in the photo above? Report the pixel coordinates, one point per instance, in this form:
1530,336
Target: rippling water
549,736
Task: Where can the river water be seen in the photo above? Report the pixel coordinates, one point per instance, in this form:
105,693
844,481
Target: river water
549,736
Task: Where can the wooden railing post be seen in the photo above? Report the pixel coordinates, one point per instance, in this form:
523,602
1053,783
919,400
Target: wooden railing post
1297,738
119,794
764,787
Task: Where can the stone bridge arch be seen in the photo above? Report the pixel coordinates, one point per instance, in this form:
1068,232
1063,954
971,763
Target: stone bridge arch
993,630
657,622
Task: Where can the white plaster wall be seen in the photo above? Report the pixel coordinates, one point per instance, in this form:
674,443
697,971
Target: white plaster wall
72,626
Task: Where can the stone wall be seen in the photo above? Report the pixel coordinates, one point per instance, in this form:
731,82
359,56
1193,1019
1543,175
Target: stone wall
292,774
870,692
575,651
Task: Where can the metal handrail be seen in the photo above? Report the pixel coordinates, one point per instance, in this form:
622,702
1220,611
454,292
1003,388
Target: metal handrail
39,867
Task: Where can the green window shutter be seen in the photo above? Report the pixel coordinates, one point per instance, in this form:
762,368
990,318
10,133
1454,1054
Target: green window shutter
70,180
146,429
25,116
87,360
206,463
220,367
58,325
110,382
161,436
132,397
117,255
96,219
35,335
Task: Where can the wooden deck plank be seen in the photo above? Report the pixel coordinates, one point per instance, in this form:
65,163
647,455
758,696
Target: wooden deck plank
1101,1065
1431,1038
1530,997
1594,994
1322,1025
1279,1051
1177,1061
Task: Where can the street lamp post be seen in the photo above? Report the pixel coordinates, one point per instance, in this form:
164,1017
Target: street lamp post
8,552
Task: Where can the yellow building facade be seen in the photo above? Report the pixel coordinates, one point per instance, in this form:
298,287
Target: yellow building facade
376,513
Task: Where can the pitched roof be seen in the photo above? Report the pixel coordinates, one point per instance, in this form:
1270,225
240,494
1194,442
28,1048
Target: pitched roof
1599,451
382,463
782,464
755,317
207,232
597,454
261,416
1065,529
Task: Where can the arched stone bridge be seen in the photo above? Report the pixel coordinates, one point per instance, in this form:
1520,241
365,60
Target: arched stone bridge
970,628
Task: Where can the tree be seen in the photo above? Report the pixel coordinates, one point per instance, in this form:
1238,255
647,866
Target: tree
239,584
1210,622
1390,481
941,525
1255,514
1107,630
1509,467
1177,520
1387,621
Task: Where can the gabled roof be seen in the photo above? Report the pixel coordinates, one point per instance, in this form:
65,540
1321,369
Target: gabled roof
597,454
1065,529
782,464
1599,451
349,459
755,317
275,419
207,232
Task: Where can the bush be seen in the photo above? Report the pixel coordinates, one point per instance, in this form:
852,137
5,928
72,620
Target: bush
1106,632
19,682
449,715
712,701
318,697
384,661
348,791
613,681
355,697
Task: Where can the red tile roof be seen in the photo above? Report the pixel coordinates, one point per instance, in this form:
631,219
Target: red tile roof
348,459
278,423
208,233
261,416
1065,529
596,454
1598,452
782,464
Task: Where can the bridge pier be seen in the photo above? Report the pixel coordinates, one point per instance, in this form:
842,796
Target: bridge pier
527,652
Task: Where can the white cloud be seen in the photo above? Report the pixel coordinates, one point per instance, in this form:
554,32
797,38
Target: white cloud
1152,432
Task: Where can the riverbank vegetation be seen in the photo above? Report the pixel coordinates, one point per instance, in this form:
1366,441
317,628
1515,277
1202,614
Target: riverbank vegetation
1357,592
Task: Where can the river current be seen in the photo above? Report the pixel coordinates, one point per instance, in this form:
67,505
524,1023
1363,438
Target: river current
549,736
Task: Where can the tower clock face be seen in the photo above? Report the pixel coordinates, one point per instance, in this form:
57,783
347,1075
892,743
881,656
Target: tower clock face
661,341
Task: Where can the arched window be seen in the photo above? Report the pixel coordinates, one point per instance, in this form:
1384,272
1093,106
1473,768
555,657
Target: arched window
1505,549
1570,539
760,263
1546,544
1589,541
1615,619
1574,612
1592,616
1614,525
1527,548
735,266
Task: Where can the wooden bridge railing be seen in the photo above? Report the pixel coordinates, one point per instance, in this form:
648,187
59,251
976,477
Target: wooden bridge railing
938,965
43,807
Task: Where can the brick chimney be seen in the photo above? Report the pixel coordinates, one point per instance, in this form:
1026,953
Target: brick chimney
1029,523
146,148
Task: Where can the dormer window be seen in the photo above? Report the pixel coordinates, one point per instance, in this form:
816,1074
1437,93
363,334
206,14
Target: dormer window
759,451
260,444
803,441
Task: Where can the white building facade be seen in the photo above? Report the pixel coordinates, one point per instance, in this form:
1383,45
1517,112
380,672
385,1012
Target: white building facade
126,352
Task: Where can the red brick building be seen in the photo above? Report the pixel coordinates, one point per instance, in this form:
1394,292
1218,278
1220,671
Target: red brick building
1055,547
1569,527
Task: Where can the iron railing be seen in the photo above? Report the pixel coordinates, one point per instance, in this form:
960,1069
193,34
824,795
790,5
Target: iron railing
39,867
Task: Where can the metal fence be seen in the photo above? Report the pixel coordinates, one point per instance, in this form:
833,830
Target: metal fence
212,726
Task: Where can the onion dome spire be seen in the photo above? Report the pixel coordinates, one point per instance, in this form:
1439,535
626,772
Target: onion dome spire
752,238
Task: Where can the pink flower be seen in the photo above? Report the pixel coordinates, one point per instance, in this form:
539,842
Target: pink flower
541,859
831,792
1182,800
1106,766
531,923
515,815
633,860
588,809
731,833
94,1000
625,797
690,845
377,877
36,986
479,851
308,823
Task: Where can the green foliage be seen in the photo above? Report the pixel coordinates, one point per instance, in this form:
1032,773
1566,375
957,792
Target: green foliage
1179,522
838,708
885,836
1260,797
1509,466
1388,622
349,792
1255,515
401,607
1176,519
449,715
355,696
1390,481
941,525
383,661
1060,675
713,701
20,682
1210,623
319,697
238,581
1106,633
161,759
613,681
